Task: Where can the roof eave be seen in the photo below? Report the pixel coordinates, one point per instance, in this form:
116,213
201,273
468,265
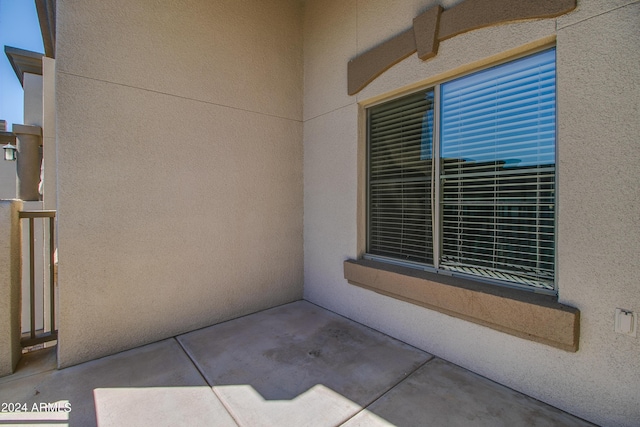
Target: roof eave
47,17
24,61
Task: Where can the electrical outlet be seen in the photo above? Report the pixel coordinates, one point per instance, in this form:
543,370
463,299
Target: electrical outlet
626,322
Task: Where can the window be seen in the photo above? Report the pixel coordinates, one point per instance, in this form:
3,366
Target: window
461,177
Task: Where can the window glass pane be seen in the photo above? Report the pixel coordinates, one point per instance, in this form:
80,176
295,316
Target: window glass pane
498,172
400,151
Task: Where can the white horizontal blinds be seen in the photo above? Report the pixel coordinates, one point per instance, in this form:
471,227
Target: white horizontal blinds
498,172
399,178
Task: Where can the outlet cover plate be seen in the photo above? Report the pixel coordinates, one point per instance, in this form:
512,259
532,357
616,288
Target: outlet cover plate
626,322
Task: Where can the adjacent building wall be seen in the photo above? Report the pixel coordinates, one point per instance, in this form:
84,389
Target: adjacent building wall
7,179
179,166
598,51
49,133
32,84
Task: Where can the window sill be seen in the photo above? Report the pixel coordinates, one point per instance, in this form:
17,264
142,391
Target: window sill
527,315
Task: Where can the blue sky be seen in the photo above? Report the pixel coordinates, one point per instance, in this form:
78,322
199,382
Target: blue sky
18,28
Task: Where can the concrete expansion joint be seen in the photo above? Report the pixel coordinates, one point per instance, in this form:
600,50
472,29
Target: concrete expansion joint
204,378
572,24
195,365
331,111
391,386
180,97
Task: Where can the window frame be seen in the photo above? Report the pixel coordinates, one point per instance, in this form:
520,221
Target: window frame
436,188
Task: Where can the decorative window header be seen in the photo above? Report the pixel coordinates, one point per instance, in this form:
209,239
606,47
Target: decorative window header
437,24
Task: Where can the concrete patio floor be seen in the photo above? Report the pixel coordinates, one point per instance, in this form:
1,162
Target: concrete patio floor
293,365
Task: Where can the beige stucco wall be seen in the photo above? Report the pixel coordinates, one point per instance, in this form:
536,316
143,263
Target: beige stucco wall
7,179
598,51
32,85
179,139
10,276
49,132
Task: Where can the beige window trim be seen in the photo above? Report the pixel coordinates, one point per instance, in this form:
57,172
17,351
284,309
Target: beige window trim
527,315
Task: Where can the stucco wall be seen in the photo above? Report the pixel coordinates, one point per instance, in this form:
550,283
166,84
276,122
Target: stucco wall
598,51
179,166
7,179
10,275
49,132
32,84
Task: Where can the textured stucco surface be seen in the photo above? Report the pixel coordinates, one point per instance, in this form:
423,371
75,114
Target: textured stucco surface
10,274
28,141
179,167
32,84
523,314
7,179
244,54
598,226
49,132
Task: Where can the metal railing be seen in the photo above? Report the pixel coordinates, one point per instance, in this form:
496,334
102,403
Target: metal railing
34,337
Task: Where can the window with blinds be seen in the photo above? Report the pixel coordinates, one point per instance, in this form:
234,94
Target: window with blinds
400,173
493,205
